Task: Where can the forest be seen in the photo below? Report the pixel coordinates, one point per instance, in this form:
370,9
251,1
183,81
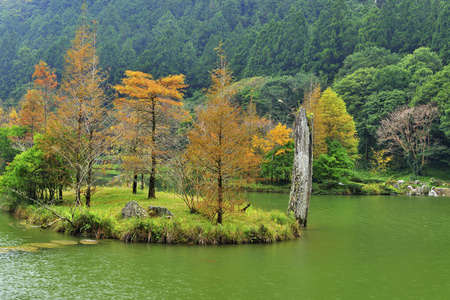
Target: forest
374,75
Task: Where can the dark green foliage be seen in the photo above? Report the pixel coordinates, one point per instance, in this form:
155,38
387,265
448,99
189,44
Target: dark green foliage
7,151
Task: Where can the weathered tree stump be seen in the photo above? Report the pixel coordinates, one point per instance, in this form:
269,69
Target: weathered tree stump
302,169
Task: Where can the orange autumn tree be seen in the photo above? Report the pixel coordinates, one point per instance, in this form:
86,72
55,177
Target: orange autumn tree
80,132
31,115
45,84
134,145
219,145
151,101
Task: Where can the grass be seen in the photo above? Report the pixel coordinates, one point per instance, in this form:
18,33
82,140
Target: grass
103,220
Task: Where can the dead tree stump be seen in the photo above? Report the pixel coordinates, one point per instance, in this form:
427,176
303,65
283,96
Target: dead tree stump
302,168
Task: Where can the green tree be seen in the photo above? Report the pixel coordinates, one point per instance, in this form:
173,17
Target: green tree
335,165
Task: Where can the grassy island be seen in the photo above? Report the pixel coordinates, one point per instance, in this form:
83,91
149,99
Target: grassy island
104,220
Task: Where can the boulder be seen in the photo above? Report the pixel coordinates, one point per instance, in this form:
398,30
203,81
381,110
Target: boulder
410,191
160,211
442,191
132,209
424,190
417,182
432,192
400,182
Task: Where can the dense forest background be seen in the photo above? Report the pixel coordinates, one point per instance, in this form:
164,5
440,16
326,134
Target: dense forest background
377,55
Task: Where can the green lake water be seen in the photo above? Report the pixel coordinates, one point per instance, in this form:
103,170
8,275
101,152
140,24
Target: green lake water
354,248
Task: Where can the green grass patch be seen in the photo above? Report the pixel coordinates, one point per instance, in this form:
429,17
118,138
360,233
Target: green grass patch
103,220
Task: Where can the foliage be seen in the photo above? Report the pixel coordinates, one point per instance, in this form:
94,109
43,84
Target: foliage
336,165
277,163
143,116
7,149
380,160
332,122
35,176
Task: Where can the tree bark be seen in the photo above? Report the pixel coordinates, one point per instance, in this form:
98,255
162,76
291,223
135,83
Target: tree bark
302,168
151,183
135,183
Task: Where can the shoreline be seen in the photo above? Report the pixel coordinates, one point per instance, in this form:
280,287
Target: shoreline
103,221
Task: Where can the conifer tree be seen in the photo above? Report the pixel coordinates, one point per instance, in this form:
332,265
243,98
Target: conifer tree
334,123
218,143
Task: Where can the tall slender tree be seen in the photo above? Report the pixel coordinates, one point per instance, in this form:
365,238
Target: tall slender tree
218,143
81,131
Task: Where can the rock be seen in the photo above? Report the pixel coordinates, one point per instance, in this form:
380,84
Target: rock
64,242
89,242
396,186
432,192
417,182
410,191
42,245
424,190
442,191
160,211
400,182
132,209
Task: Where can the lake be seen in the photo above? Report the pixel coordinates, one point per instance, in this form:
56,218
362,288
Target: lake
379,247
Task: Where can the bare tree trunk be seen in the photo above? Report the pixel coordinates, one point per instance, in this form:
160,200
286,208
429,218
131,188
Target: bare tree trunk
302,169
151,183
135,178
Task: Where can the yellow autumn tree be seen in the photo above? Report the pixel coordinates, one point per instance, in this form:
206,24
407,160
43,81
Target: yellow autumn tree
150,102
311,103
278,136
332,122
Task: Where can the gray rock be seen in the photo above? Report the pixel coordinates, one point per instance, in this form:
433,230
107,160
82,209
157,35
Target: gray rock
442,191
424,190
410,191
417,182
396,186
401,182
132,209
432,193
160,211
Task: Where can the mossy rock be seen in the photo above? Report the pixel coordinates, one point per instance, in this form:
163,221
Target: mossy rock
4,250
89,242
43,245
23,248
64,242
